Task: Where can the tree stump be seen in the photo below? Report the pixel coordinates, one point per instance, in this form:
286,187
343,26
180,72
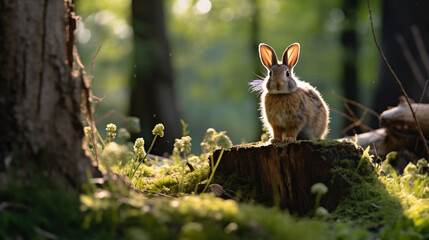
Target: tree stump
282,174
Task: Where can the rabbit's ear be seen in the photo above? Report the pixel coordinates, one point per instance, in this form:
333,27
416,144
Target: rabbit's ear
267,55
291,55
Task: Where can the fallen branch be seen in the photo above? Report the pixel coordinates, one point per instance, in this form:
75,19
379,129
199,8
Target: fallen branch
357,104
356,122
363,126
399,118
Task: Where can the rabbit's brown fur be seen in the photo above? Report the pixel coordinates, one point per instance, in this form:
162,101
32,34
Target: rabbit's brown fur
291,109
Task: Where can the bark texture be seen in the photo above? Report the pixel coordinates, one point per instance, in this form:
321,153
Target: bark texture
40,97
283,174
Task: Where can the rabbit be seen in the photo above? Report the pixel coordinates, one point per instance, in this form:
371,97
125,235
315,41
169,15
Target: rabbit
291,109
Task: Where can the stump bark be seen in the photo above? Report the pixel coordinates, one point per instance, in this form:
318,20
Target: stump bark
283,174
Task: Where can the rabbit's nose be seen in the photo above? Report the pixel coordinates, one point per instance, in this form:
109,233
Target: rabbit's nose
278,86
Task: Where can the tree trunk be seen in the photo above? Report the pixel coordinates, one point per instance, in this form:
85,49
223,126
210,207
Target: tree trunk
283,174
258,69
350,52
152,91
40,97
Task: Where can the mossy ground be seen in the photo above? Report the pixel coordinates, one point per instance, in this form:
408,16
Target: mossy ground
381,205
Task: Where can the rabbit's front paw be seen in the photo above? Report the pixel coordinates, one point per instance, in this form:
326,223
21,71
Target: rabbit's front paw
275,140
289,139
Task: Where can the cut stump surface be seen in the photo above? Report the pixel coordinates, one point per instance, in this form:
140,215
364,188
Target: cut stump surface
283,174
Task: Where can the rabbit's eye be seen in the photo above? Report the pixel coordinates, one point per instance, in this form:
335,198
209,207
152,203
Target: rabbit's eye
287,74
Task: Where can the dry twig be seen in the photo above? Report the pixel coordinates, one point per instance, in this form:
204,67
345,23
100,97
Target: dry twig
357,104
356,122
423,92
110,113
87,90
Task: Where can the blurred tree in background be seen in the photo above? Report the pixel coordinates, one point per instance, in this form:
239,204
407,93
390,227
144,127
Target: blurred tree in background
152,94
350,54
401,36
214,55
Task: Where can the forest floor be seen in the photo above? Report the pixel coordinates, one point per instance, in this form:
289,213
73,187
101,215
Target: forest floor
161,198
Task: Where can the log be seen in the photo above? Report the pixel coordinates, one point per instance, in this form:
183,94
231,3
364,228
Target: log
374,139
408,147
401,119
282,174
398,131
382,141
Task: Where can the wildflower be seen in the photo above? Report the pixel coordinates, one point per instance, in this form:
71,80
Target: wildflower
158,130
112,152
183,145
319,188
139,148
196,160
87,131
213,140
99,147
210,133
223,140
111,131
123,134
209,141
